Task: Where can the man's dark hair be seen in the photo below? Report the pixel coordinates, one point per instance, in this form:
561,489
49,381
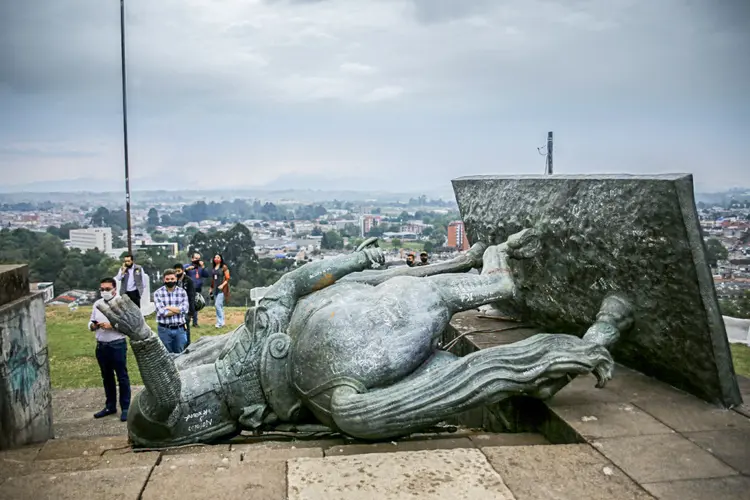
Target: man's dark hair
423,254
179,266
109,281
169,272
129,255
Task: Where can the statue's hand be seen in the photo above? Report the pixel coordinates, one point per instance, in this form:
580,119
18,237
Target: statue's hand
125,317
375,256
524,244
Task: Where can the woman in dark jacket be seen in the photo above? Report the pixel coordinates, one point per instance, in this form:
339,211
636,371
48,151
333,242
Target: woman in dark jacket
219,287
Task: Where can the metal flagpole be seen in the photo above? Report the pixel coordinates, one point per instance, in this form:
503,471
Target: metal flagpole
125,126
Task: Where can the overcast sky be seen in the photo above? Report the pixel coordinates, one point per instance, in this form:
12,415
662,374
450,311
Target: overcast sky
225,93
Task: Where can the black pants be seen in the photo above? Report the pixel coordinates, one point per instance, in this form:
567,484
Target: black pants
135,296
112,359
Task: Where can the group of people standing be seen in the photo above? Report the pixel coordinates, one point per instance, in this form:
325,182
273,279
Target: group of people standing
177,304
411,260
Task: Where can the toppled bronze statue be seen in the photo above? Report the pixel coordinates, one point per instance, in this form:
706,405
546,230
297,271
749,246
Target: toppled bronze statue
355,351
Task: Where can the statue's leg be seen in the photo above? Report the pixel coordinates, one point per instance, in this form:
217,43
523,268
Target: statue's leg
456,386
462,292
538,366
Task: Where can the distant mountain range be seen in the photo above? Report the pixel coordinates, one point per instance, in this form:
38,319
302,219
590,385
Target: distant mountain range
304,188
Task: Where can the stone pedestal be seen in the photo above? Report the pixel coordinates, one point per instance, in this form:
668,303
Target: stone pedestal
25,395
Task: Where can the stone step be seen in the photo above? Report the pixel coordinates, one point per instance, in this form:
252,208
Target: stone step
70,467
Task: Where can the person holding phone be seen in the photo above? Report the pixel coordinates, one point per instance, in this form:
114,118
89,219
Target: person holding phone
111,354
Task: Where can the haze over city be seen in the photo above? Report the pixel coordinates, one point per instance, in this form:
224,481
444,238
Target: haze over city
390,94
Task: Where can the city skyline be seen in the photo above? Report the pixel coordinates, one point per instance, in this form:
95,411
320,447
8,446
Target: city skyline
393,93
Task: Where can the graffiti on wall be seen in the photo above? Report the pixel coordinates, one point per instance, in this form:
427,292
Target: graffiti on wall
23,366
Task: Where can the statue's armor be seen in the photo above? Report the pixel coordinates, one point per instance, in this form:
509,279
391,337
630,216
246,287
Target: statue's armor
364,337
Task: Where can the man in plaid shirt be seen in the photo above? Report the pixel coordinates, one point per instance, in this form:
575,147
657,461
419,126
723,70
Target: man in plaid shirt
172,306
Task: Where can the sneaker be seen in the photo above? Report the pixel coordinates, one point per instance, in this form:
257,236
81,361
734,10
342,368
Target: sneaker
104,413
124,416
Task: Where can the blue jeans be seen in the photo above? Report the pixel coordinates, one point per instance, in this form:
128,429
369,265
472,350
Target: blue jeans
219,304
174,339
112,359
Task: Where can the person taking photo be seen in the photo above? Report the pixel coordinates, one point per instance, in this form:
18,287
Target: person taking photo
111,354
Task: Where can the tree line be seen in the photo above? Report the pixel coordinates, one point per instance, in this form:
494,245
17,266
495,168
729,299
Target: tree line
50,261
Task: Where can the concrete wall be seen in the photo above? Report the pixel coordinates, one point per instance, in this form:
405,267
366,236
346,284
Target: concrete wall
25,394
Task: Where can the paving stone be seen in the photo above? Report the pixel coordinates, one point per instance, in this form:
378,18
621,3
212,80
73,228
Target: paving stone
731,446
581,390
26,453
10,468
90,428
199,448
604,420
427,475
72,448
509,439
280,450
662,457
571,471
255,480
398,446
104,484
634,386
743,409
734,488
216,458
87,463
286,444
266,453
685,413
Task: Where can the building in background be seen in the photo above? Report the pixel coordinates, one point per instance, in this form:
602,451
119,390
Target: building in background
457,236
368,222
91,238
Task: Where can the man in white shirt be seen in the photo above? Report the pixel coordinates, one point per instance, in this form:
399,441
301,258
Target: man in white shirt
111,354
132,279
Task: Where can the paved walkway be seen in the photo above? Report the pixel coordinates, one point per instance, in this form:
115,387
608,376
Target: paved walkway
635,439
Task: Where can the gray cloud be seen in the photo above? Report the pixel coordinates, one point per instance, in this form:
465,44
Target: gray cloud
292,84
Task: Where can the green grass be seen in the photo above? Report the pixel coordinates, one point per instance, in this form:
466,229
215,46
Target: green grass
71,345
416,246
741,357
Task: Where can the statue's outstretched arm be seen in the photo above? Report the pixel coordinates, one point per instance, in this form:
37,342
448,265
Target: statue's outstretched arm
160,376
462,263
322,273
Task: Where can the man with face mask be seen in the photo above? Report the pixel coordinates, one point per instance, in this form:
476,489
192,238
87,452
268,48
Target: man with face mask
111,354
172,307
132,279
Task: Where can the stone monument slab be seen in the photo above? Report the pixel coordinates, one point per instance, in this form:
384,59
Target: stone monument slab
634,234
